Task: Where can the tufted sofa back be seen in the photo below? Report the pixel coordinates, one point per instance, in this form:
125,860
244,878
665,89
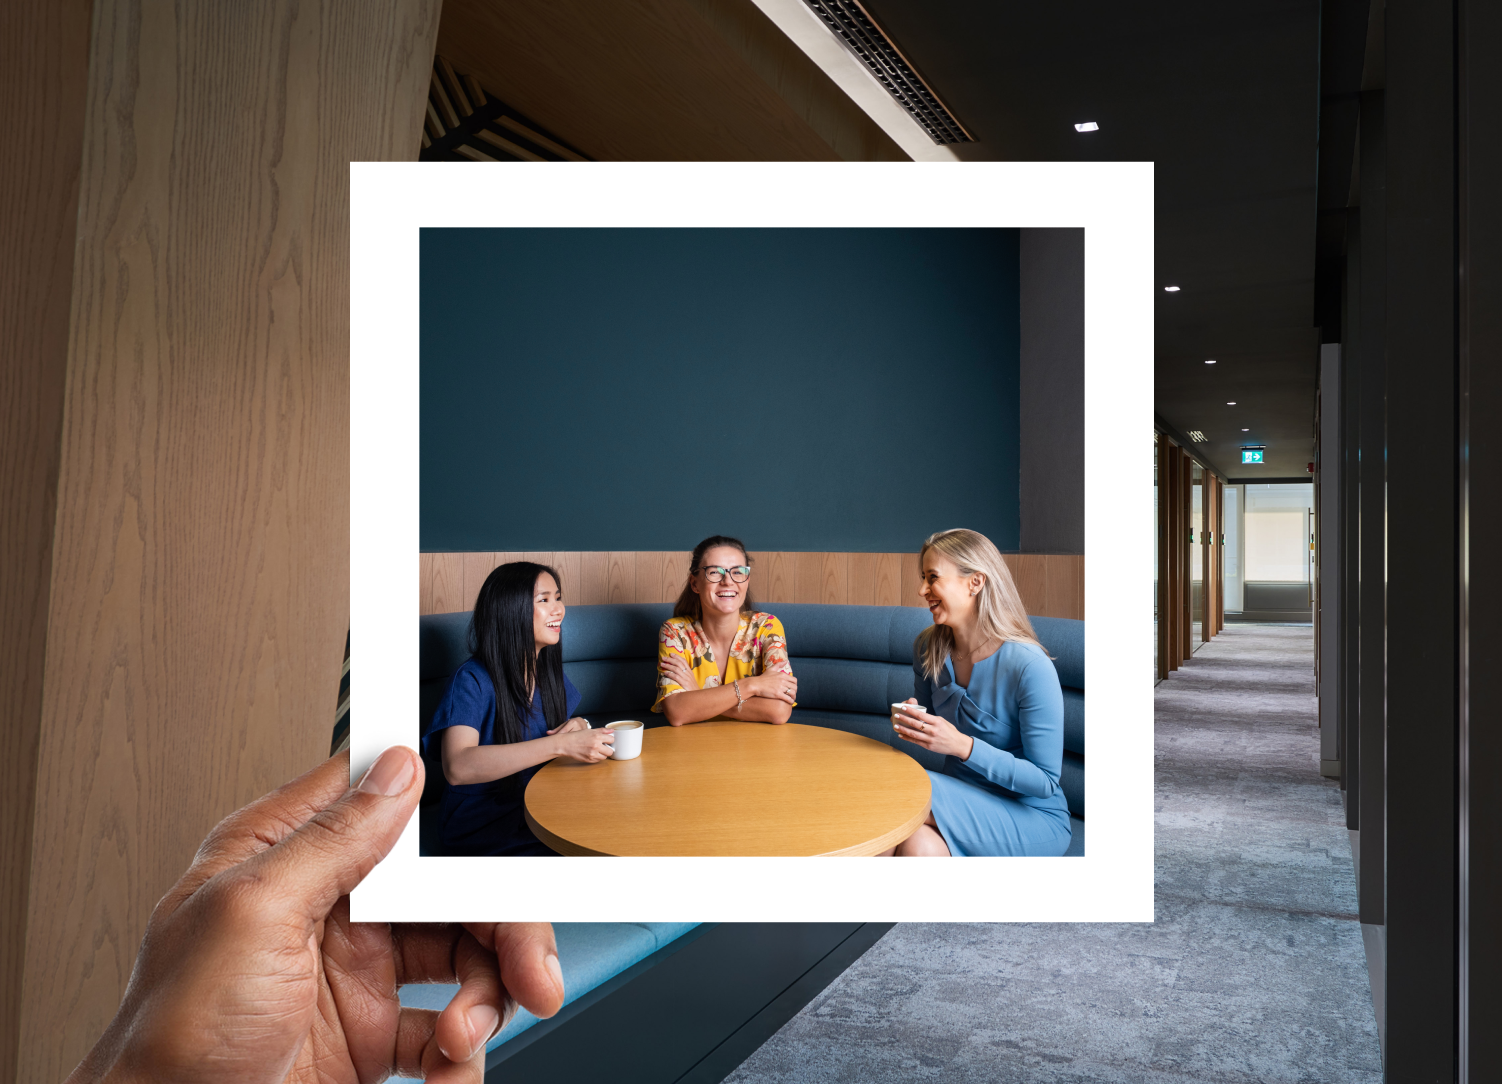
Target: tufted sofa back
851,662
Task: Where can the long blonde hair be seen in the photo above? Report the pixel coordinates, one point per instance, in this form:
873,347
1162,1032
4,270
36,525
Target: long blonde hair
1000,615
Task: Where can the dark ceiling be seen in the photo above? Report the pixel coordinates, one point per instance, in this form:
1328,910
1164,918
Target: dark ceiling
1225,99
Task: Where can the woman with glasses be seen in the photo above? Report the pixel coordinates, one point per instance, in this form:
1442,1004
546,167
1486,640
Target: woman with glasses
718,656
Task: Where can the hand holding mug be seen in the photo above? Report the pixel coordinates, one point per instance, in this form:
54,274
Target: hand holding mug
932,732
586,746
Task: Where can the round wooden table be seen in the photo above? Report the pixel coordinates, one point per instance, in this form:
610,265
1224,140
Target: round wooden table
730,788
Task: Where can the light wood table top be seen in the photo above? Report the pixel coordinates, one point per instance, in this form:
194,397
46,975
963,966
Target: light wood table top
731,788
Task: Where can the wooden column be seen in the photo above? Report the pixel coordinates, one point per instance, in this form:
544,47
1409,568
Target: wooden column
1161,527
44,74
1186,540
200,569
1169,500
1210,549
1220,556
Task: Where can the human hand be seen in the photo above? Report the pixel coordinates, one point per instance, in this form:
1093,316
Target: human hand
587,746
570,726
252,972
678,672
773,685
934,732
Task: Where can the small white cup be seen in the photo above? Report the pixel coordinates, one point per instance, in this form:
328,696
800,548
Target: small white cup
899,714
628,734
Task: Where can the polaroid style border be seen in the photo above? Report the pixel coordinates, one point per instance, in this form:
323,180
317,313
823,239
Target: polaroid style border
1112,201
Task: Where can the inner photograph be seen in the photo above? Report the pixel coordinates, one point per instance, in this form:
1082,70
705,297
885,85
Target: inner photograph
752,542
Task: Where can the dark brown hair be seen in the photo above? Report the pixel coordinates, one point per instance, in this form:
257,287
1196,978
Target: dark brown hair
688,604
501,638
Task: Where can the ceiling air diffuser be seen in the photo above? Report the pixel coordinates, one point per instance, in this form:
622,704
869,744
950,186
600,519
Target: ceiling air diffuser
875,50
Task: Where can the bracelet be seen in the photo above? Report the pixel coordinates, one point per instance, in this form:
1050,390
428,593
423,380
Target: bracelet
736,685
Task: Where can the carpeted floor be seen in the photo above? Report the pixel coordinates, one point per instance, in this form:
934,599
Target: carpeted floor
1253,971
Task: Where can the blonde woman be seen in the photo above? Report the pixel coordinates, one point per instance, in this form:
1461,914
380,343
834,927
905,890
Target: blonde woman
989,700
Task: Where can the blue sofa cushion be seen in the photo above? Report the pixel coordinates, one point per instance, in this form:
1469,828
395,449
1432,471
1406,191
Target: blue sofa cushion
1064,639
614,686
1076,839
850,684
620,631
589,954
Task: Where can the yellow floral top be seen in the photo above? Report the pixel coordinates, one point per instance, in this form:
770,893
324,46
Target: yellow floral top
759,647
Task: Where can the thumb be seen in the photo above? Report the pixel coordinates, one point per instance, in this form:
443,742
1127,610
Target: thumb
339,845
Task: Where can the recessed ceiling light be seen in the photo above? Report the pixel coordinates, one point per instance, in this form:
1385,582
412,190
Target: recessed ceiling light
1088,126
1209,361
1196,436
1170,289
1231,403
1246,430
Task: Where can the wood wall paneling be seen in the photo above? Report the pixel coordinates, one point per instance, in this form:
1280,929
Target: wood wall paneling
808,577
888,584
834,578
1051,585
200,570
1031,577
44,75
620,577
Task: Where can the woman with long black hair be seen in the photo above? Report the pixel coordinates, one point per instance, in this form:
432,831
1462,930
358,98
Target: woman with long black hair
506,713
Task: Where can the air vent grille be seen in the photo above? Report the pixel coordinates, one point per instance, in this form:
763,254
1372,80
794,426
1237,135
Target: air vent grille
875,50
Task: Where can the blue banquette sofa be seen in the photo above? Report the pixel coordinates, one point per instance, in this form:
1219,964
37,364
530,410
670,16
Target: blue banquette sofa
852,662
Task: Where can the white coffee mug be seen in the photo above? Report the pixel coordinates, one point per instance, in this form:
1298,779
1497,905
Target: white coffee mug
628,734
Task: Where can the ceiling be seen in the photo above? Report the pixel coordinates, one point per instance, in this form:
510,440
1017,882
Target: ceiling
659,80
1224,100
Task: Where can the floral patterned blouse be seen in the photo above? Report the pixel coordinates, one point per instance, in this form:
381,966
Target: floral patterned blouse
759,647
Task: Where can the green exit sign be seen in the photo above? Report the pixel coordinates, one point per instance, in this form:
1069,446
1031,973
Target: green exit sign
1252,455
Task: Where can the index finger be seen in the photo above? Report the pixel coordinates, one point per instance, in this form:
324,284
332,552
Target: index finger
528,957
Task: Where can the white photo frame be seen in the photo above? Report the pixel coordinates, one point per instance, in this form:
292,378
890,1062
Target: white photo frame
1112,201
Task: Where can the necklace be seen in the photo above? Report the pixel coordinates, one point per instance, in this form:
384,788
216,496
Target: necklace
972,651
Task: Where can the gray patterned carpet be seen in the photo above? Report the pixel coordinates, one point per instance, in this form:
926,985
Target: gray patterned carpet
1253,971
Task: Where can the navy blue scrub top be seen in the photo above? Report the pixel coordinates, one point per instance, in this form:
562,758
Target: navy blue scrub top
486,818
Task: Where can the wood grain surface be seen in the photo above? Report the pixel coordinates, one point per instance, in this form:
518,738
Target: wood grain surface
1051,584
201,564
44,76
733,789
671,80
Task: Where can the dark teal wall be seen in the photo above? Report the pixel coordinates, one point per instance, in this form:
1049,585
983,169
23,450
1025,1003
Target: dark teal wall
639,389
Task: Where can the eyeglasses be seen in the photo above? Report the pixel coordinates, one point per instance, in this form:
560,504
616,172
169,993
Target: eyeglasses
715,573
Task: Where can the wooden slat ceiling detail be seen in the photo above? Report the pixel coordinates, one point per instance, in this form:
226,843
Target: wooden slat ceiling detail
659,80
466,124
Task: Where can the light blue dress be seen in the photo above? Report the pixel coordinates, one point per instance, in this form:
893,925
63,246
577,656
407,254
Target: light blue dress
1006,799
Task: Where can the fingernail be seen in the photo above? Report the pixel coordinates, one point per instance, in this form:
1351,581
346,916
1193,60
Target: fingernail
390,774
483,1022
551,963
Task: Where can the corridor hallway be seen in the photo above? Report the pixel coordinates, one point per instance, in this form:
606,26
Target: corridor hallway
1253,971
